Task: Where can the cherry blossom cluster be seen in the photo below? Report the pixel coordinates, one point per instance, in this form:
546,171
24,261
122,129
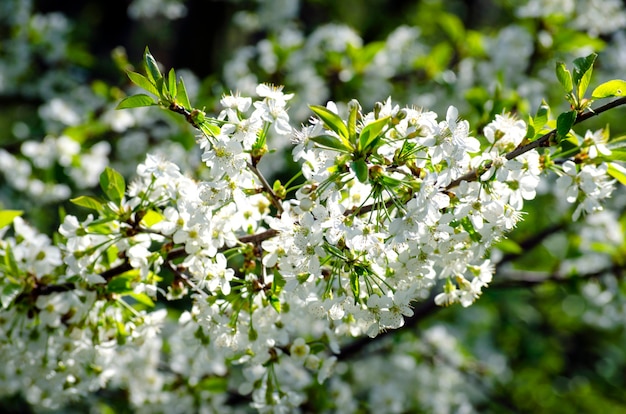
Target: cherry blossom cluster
382,215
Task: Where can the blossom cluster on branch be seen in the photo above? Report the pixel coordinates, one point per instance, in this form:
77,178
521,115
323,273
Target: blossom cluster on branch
389,204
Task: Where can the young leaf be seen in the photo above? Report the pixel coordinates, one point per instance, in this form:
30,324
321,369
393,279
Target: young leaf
355,286
359,167
171,83
152,68
370,132
113,184
564,123
541,117
143,82
143,298
11,269
332,121
123,284
88,202
136,101
583,68
275,302
10,291
564,76
353,108
7,216
615,87
181,96
331,142
209,129
618,172
161,86
151,218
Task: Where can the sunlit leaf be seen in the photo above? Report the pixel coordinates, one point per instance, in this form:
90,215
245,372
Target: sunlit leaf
171,83
370,132
616,87
181,95
618,172
541,117
151,218
355,285
7,217
113,184
353,108
152,68
564,76
331,142
583,68
142,298
332,121
136,101
143,82
89,202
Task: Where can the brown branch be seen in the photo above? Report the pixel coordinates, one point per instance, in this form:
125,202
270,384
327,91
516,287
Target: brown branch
541,141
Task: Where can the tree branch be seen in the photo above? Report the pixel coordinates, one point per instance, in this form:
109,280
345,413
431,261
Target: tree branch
541,141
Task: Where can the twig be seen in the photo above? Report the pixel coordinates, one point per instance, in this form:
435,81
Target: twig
541,141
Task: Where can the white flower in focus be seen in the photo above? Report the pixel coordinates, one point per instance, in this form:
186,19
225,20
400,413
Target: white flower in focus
299,350
596,141
273,107
505,132
587,187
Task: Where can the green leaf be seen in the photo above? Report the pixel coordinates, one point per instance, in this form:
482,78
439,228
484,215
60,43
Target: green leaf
143,82
359,167
370,132
113,184
353,108
213,384
355,285
564,76
10,292
151,218
331,142
508,246
182,96
7,217
152,68
564,123
210,129
143,298
10,264
171,83
162,88
618,172
275,302
541,117
317,347
453,26
89,202
618,154
615,87
136,101
123,284
583,68
332,122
